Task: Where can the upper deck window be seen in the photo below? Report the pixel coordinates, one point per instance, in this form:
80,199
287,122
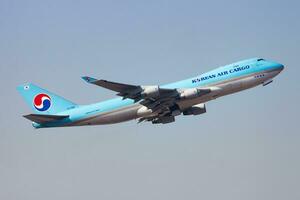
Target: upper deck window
260,59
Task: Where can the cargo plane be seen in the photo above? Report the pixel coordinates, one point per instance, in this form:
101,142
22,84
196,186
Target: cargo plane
159,104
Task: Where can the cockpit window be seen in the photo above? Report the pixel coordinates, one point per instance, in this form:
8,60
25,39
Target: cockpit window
260,59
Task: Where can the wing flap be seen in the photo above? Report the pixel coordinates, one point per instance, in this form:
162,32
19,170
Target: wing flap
41,119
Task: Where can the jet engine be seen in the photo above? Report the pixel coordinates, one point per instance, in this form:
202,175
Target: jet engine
189,93
195,110
193,93
150,91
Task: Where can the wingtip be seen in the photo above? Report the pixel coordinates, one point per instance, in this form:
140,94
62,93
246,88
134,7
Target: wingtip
88,79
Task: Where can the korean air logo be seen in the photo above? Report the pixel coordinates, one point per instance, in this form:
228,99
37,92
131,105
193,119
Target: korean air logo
42,102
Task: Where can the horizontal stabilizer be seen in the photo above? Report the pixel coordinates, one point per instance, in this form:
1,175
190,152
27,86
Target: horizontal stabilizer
41,119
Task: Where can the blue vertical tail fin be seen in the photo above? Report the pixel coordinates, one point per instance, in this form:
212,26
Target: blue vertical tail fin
42,101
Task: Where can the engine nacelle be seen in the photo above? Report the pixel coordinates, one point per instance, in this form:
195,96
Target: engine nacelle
150,91
190,93
195,110
143,111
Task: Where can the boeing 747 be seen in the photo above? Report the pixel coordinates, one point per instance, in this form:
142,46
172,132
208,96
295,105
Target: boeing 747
159,104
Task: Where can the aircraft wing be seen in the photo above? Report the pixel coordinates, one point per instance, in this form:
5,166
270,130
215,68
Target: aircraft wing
161,101
41,119
117,87
135,92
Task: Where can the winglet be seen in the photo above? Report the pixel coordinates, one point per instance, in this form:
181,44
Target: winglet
89,79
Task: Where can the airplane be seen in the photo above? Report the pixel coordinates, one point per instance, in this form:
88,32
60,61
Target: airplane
159,104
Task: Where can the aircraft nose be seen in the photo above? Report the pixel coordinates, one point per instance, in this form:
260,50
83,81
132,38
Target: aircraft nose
280,66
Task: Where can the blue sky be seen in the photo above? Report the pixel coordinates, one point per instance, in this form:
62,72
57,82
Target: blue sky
245,147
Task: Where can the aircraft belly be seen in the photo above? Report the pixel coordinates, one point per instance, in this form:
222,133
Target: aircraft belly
188,103
120,115
238,85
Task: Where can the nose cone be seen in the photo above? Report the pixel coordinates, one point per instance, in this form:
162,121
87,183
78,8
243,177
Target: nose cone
280,67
